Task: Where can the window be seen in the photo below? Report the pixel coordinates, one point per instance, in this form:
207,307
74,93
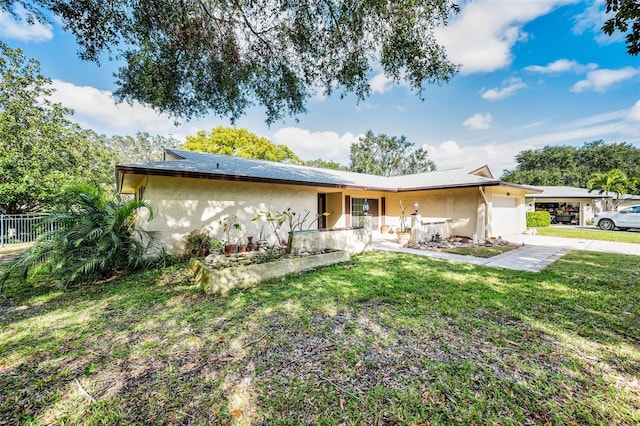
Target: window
357,213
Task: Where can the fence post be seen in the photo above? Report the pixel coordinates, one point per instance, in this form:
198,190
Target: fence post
1,230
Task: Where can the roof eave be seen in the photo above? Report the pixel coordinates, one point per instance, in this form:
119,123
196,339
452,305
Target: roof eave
236,178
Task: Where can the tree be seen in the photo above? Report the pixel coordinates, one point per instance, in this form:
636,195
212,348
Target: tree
142,148
41,151
91,237
573,166
190,57
615,181
241,143
626,18
326,164
388,156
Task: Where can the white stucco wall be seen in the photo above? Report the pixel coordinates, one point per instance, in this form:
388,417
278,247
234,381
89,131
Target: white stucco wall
459,205
184,204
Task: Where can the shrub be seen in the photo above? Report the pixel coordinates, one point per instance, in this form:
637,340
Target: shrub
196,240
538,219
91,237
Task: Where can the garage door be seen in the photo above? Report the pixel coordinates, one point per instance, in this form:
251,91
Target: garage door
504,216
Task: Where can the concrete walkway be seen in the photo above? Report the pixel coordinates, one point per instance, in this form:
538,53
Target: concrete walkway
535,252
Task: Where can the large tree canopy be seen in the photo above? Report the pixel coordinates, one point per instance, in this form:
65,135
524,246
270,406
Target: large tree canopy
573,166
193,56
626,19
41,151
241,143
388,156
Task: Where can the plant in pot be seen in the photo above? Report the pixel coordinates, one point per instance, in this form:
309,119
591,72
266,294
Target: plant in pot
229,224
275,221
404,232
197,242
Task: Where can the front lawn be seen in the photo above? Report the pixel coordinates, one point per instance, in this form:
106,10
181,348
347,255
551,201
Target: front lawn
387,339
590,234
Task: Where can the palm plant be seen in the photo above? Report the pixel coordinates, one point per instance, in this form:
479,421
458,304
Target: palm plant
614,180
90,237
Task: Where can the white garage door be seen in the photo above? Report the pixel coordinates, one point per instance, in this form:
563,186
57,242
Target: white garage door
504,216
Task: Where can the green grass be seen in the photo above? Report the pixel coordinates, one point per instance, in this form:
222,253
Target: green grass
481,251
591,234
386,339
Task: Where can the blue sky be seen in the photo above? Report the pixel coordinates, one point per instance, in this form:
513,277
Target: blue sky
534,73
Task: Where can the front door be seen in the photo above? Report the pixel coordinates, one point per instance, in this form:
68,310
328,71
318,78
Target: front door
322,208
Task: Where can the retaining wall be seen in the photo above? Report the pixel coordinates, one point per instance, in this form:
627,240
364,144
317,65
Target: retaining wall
221,281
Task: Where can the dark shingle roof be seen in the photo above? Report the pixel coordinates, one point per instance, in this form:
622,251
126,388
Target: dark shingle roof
216,166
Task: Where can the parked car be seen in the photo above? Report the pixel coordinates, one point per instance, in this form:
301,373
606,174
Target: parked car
627,217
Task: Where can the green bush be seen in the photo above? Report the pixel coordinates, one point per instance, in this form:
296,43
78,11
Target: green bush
91,237
538,219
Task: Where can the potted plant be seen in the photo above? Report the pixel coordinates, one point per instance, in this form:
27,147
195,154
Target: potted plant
196,243
404,233
230,223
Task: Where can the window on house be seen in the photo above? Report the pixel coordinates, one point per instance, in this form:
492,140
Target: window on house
357,214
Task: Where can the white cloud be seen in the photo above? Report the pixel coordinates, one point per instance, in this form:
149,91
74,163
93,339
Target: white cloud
482,35
97,110
313,145
592,20
507,88
500,155
381,83
634,113
600,80
20,29
631,127
479,121
450,155
561,65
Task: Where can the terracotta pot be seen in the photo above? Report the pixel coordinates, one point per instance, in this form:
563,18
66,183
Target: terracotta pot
250,244
242,249
203,252
230,248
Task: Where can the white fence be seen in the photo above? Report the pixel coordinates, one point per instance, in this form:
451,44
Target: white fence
20,229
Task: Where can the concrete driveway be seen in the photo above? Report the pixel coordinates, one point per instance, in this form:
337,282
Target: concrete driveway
575,244
535,252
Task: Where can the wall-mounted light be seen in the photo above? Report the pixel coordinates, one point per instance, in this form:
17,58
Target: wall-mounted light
365,207
416,207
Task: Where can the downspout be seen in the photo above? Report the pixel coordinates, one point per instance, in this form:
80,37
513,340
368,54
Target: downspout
487,216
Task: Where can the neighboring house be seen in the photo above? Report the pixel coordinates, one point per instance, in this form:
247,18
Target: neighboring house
567,204
193,190
570,205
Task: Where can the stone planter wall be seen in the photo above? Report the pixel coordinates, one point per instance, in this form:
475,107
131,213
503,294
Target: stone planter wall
220,281
352,240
